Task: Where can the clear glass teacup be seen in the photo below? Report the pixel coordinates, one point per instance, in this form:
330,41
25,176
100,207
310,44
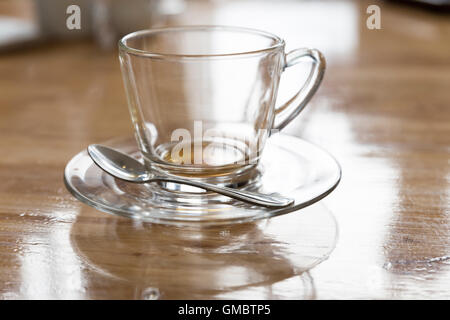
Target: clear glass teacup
202,98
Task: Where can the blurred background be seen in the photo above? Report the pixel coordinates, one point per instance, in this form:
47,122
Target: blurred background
25,22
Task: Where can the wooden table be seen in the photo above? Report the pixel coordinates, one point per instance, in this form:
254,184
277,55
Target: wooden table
383,110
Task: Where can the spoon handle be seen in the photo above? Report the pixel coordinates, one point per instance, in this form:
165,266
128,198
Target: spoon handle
270,201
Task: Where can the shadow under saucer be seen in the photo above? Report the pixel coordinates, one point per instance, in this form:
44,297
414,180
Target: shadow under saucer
199,259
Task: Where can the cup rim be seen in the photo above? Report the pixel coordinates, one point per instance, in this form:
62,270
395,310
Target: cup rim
279,42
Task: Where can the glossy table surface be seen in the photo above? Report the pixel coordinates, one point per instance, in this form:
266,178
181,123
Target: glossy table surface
383,111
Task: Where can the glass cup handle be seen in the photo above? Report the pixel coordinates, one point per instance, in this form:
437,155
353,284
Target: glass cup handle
289,110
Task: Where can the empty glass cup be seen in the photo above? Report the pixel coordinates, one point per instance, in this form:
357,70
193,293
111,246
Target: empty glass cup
202,98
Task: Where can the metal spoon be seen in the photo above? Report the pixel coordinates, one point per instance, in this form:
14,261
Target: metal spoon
129,169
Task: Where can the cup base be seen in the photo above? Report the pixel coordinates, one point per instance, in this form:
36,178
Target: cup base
241,177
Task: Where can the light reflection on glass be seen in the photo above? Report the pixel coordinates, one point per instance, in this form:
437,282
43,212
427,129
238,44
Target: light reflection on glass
331,27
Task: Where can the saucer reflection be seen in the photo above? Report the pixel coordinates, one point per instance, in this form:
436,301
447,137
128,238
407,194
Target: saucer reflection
184,261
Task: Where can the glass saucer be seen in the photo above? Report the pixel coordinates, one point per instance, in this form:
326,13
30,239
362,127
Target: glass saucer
289,166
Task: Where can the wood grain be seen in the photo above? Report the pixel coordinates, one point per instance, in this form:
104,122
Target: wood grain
383,110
